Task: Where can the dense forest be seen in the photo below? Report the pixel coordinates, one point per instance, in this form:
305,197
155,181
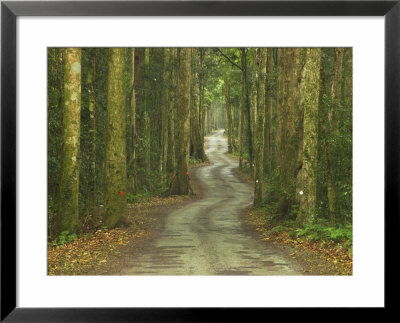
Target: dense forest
127,122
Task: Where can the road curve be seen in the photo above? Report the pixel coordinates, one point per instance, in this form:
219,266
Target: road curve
206,237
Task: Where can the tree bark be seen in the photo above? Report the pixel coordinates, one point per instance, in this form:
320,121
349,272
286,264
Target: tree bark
92,138
164,120
289,123
147,141
67,218
181,184
197,149
243,109
259,146
335,95
228,113
115,204
246,106
171,159
269,93
132,157
307,179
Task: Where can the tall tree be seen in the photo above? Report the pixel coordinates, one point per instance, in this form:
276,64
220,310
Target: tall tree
67,218
202,81
132,151
147,140
289,123
243,107
171,156
181,183
259,142
269,94
228,113
115,203
92,135
164,119
197,149
246,139
335,96
307,176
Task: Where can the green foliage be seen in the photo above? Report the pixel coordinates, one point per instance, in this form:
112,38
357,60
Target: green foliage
137,197
339,140
321,231
193,160
272,195
65,237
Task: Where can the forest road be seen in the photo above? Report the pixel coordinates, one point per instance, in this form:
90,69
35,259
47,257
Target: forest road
206,237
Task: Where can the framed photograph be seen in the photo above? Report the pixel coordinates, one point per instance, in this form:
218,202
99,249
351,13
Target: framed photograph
78,76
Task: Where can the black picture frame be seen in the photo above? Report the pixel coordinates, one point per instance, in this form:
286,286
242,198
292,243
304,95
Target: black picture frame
11,10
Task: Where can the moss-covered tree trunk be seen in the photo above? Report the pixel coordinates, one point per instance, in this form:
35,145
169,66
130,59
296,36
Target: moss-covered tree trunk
181,183
115,204
147,141
214,120
164,119
307,175
335,95
228,113
197,149
289,123
92,138
346,128
132,151
67,218
252,85
247,107
171,159
201,96
321,177
260,120
269,94
243,110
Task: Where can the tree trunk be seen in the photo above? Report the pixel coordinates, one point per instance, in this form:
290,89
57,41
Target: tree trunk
228,113
242,110
164,120
335,94
201,96
307,193
181,183
171,162
259,144
289,123
147,141
247,107
197,150
67,216
115,169
132,157
92,139
269,93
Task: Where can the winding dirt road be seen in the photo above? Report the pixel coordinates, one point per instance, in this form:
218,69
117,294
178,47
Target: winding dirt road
206,237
